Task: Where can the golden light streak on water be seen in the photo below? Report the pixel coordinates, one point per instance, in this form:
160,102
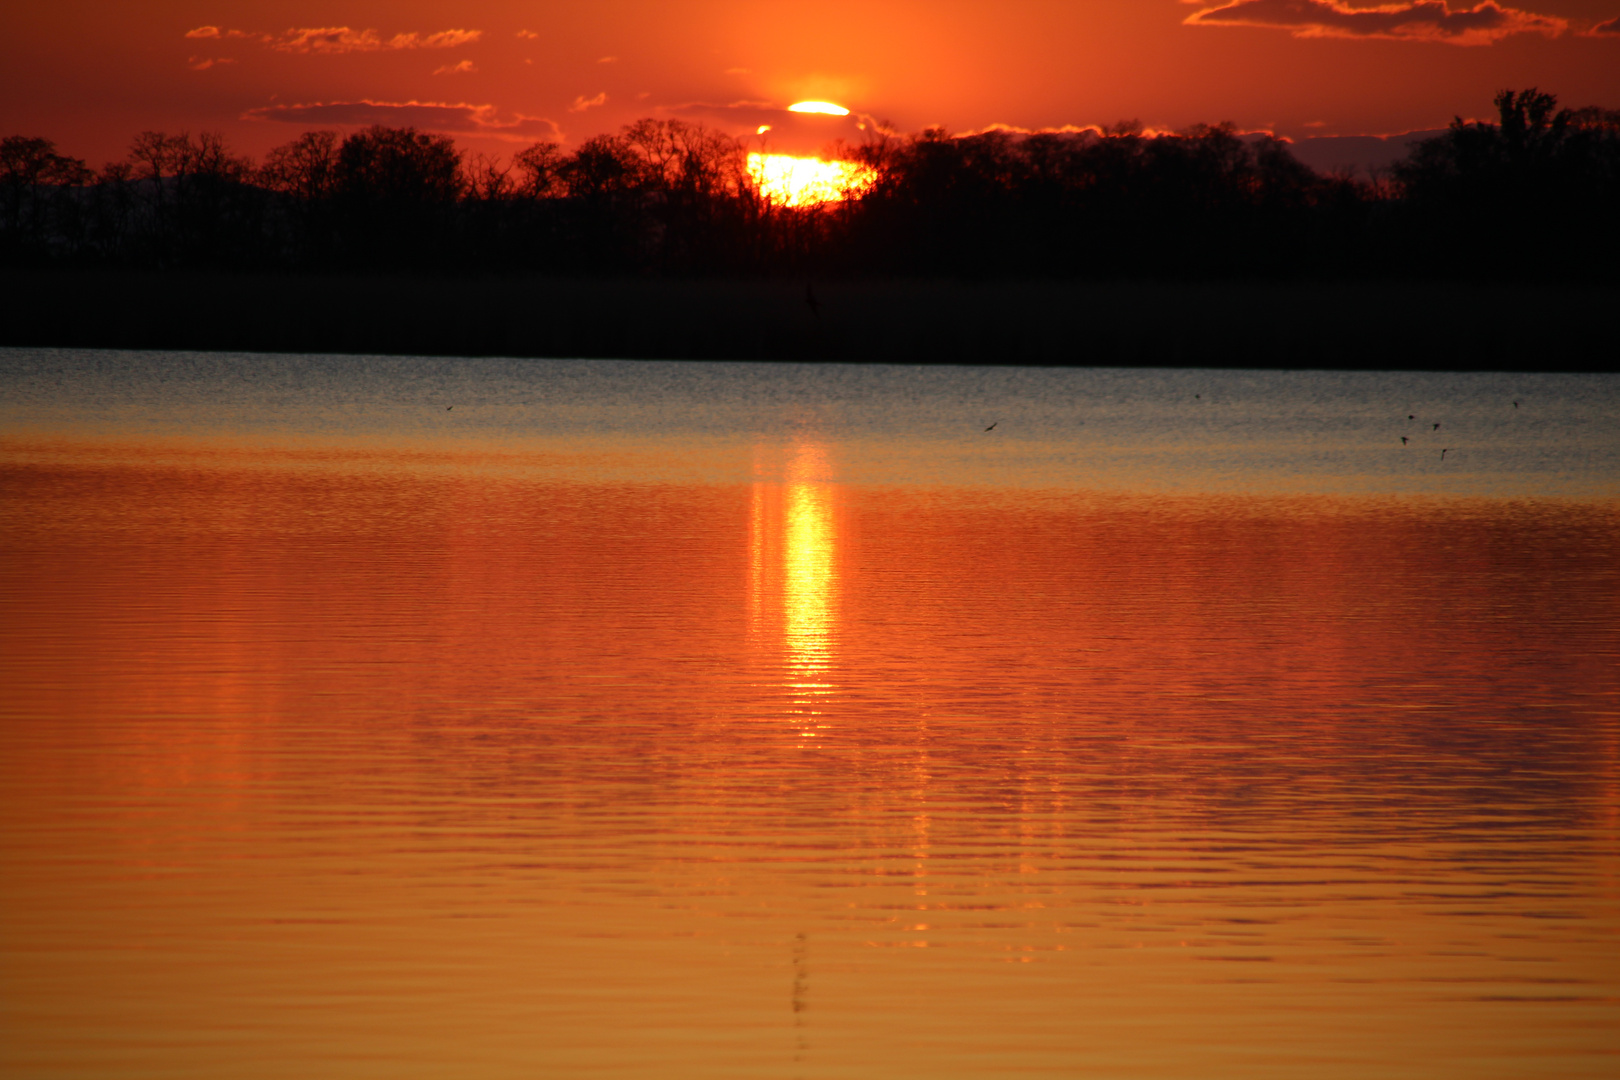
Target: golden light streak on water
793,576
810,570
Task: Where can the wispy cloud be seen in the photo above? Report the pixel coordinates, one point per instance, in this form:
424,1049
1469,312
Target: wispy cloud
342,39
203,63
582,103
1606,29
1418,20
332,40
458,118
527,34
464,68
215,33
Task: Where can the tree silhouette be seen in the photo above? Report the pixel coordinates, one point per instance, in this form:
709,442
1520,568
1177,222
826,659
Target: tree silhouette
395,190
398,166
33,179
1538,189
305,169
1533,193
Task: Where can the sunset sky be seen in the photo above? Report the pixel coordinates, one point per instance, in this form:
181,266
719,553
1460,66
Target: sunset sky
500,74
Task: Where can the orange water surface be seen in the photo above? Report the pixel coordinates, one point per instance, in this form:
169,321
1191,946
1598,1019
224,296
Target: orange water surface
352,767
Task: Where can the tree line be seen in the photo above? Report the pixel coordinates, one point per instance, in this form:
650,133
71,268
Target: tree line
1535,193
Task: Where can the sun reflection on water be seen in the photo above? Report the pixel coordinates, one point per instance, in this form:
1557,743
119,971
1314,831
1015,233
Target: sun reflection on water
793,587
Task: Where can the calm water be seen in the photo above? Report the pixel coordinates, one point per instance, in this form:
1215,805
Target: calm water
383,717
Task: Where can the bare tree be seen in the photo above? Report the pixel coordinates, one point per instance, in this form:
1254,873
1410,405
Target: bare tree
304,168
486,180
540,171
32,176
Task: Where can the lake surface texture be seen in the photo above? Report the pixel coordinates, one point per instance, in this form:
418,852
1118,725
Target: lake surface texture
394,718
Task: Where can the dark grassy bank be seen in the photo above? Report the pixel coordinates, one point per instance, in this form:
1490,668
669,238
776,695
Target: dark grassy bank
1354,325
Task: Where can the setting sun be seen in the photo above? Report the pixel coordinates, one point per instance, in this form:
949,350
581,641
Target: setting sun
806,181
825,107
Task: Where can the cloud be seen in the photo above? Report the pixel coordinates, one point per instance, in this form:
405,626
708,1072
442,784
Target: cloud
736,114
199,63
1017,129
582,103
215,33
459,118
464,68
1606,29
527,34
342,39
1416,20
788,132
608,60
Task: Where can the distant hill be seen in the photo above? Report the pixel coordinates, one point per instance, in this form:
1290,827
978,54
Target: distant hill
1360,153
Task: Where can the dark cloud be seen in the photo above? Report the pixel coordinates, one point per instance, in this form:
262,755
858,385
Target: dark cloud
460,119
1606,29
1420,20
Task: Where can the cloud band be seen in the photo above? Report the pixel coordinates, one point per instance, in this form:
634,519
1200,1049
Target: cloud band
459,118
1418,20
333,40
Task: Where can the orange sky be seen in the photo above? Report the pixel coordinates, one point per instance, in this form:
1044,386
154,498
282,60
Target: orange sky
499,74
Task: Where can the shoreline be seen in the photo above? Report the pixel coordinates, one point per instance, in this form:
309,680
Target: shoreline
1412,325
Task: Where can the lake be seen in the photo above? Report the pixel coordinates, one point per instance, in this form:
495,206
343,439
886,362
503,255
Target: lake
407,717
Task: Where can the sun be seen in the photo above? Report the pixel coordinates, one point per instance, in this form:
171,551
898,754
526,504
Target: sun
806,181
825,107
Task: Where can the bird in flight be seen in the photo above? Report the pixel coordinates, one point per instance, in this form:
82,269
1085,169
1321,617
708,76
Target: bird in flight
1437,427
992,426
1515,404
1444,452
1403,440
447,408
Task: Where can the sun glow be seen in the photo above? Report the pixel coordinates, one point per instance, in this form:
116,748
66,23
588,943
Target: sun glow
825,107
802,181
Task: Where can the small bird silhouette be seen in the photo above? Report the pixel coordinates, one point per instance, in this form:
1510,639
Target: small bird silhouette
1403,440
1437,427
1411,417
1444,452
1198,397
992,426
810,298
447,408
1515,404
